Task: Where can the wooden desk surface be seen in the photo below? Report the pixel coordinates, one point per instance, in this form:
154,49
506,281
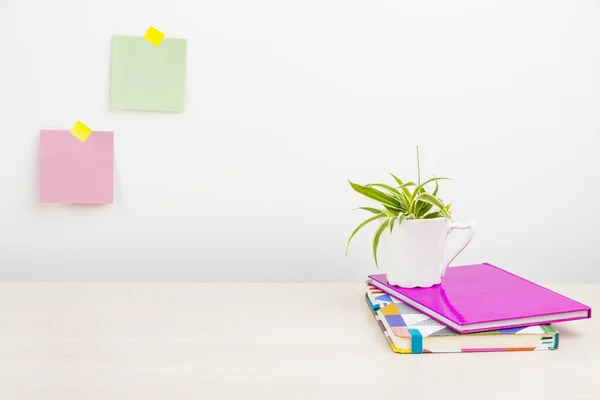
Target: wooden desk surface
263,341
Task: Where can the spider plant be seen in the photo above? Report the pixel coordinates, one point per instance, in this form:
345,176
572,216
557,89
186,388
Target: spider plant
400,202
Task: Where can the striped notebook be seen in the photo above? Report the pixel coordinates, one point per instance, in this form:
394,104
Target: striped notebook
409,331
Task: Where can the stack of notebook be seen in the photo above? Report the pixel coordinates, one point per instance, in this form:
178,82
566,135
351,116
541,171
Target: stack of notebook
476,308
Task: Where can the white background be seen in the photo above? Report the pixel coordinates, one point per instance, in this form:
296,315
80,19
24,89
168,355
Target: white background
287,99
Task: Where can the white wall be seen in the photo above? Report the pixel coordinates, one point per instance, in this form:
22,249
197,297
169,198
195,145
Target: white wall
287,99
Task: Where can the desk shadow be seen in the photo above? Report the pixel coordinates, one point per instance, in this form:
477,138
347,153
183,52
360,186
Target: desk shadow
566,331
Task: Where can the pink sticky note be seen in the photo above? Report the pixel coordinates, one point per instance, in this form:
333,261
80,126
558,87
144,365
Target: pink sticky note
72,171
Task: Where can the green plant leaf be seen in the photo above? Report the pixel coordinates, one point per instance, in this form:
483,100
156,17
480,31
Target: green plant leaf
428,181
435,214
392,221
418,205
412,205
397,179
389,214
376,195
362,224
427,198
369,209
394,211
400,196
378,233
425,207
406,192
392,190
397,219
403,186
400,219
418,166
421,209
407,184
448,212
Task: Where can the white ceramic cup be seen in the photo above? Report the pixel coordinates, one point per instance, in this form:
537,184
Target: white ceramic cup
413,255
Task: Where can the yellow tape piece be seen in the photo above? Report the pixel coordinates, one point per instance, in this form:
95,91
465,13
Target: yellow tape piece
154,36
81,131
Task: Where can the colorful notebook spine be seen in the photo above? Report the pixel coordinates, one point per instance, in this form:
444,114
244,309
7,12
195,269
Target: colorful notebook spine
381,326
416,337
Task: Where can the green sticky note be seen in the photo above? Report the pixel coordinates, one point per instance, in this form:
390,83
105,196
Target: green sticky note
146,77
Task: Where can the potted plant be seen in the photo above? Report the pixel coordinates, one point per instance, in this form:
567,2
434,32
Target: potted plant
413,227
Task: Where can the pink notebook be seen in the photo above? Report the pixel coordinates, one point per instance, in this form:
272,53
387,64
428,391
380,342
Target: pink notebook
483,297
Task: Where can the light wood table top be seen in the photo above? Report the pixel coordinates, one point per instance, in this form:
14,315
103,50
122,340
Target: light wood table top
264,341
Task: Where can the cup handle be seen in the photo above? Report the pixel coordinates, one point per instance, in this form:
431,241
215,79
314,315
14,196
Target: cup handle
452,226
